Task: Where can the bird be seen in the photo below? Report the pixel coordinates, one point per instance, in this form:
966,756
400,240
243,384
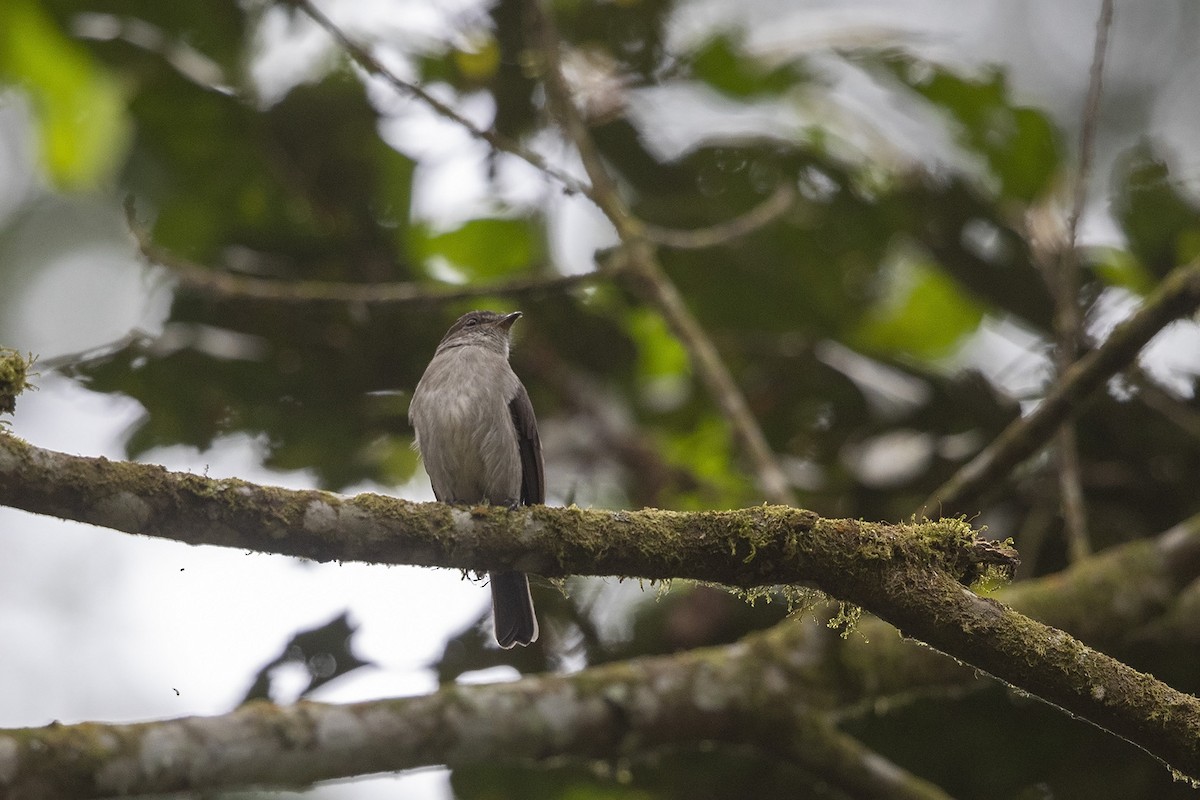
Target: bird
478,439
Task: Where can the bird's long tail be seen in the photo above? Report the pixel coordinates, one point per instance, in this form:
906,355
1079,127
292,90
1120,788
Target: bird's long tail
512,609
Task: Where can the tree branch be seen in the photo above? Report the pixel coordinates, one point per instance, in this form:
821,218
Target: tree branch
755,547
617,710
224,285
1091,116
1130,587
231,286
363,57
779,203
1177,296
907,574
651,282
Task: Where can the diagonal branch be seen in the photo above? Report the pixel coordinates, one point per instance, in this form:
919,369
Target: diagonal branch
1141,585
368,62
646,275
684,239
1177,296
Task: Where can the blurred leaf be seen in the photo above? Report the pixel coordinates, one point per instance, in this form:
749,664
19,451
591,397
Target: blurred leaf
712,772
1020,144
480,63
706,449
216,29
659,353
483,248
1161,224
307,197
1117,267
325,652
630,32
308,408
514,84
720,63
973,241
926,318
396,459
78,105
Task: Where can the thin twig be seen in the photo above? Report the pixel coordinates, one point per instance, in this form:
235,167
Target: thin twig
1178,295
1091,116
361,56
1070,491
771,209
233,286
597,192
1068,321
648,278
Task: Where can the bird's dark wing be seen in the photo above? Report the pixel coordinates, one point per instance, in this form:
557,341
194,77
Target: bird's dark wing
533,479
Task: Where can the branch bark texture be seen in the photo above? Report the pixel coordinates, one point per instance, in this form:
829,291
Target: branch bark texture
748,548
625,709
907,574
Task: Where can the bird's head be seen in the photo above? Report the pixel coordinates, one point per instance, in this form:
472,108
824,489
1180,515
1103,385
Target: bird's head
481,329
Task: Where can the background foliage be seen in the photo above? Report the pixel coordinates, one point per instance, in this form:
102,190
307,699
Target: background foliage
865,324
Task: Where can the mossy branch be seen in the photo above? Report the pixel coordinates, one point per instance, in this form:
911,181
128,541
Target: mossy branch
14,378
628,709
747,548
909,575
1140,586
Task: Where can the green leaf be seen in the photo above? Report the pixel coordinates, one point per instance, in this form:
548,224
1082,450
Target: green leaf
1119,268
707,451
483,248
659,353
1161,224
925,318
1020,144
308,181
79,106
721,65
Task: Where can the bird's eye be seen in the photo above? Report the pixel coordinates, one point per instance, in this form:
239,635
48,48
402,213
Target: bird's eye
471,322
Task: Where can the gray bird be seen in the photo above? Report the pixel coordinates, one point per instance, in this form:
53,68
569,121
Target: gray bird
479,440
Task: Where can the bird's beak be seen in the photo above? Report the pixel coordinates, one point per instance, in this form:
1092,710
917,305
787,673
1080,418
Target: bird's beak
506,322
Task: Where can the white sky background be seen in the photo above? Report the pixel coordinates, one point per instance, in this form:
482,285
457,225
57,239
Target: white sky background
103,625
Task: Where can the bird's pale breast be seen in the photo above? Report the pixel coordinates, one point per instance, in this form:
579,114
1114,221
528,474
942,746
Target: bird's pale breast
464,427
